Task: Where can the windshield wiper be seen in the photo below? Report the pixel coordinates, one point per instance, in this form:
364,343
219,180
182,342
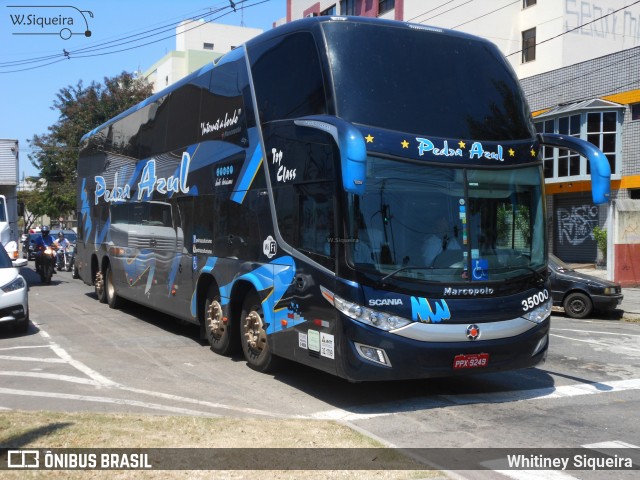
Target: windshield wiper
382,281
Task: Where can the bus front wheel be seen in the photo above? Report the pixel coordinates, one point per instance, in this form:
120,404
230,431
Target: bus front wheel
253,336
221,334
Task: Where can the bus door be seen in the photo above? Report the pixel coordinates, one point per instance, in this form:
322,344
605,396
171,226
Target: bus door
303,166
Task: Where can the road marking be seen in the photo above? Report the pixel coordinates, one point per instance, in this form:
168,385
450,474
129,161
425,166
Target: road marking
116,401
610,444
594,342
392,408
32,359
62,353
593,331
532,474
24,347
50,376
98,380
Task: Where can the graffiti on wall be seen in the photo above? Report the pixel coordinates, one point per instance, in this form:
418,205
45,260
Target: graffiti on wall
600,21
576,225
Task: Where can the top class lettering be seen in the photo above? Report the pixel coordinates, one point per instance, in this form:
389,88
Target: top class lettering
476,151
284,174
149,182
220,123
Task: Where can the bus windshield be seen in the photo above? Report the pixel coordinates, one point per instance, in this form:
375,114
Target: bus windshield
418,80
442,224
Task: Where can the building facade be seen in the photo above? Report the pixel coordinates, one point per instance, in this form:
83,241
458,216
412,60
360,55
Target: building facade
598,101
579,65
197,43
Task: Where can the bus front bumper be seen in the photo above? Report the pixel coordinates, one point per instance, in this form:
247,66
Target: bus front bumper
371,354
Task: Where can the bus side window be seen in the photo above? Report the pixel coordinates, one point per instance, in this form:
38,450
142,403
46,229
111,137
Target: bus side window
302,164
288,78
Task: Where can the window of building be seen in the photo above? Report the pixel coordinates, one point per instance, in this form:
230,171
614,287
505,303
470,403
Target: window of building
347,7
529,45
635,111
601,128
385,5
602,132
207,46
528,3
329,11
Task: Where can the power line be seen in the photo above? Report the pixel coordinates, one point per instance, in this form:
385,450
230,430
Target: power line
74,54
92,47
486,14
579,26
442,13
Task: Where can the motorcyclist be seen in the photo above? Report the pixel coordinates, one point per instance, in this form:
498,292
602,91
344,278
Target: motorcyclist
42,242
62,244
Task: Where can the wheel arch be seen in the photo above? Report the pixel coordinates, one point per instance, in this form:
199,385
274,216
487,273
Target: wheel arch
575,290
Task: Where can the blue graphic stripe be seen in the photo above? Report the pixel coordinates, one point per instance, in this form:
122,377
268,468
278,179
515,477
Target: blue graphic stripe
248,173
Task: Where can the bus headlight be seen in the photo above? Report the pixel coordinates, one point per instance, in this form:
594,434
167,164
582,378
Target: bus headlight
540,313
381,320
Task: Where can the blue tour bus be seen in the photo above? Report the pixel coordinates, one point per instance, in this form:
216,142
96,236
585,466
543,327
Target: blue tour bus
361,196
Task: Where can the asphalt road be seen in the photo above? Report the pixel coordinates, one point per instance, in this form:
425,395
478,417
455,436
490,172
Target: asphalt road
80,355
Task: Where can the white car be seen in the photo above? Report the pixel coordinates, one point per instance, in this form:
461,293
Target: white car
14,300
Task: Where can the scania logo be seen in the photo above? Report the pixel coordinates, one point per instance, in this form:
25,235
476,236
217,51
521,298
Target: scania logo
377,302
473,332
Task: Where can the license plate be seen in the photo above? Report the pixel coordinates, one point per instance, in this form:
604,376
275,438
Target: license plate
472,360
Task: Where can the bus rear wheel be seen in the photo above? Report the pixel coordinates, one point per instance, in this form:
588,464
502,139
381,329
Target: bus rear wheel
253,336
220,332
98,287
110,290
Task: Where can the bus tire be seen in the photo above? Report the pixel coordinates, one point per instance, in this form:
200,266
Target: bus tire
253,336
221,334
577,305
98,287
113,299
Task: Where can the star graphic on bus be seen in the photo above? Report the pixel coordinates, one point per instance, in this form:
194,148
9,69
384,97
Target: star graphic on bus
533,152
369,138
461,144
404,144
512,152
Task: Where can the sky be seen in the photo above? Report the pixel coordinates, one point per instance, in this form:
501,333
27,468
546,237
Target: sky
33,66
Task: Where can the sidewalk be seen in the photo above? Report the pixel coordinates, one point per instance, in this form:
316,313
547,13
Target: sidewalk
630,302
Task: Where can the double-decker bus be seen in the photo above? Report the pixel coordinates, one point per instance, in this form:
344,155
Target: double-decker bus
361,196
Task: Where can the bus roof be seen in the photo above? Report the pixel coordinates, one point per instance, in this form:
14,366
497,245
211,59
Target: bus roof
306,24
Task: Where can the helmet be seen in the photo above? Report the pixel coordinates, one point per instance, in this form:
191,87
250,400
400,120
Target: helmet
45,230
60,234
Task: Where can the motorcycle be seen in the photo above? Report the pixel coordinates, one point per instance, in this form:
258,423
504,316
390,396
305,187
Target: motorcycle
66,258
46,263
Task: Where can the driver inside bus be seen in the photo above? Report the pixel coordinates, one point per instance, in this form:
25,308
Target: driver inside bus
442,239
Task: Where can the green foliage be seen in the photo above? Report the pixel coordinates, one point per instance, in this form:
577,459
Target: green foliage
600,236
81,109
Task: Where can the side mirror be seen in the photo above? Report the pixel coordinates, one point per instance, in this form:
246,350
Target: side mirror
20,262
353,152
600,168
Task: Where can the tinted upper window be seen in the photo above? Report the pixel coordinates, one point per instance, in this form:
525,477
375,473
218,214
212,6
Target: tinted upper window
288,78
424,82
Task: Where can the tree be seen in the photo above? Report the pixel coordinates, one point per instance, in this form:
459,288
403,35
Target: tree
81,110
34,202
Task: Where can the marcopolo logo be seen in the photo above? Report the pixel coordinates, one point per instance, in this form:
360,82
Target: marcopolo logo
63,20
